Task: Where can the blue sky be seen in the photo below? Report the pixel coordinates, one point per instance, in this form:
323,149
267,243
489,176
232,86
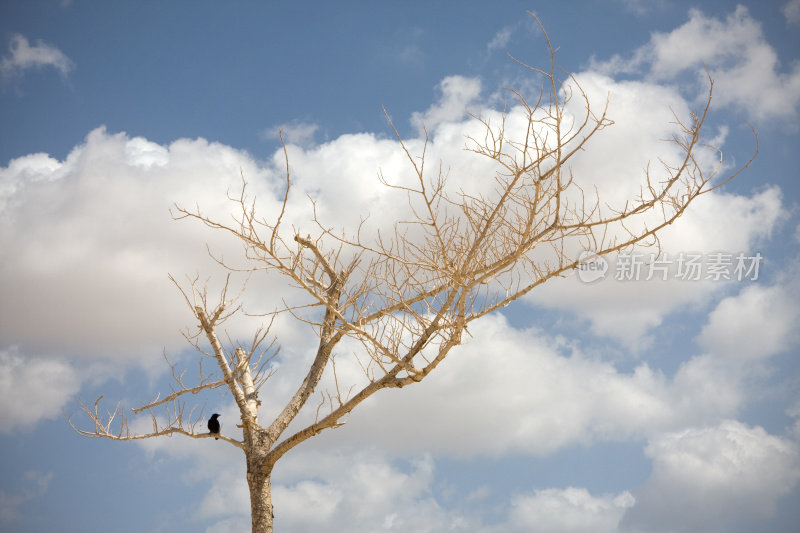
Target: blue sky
616,406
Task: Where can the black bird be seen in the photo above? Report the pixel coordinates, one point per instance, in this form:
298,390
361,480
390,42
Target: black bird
213,425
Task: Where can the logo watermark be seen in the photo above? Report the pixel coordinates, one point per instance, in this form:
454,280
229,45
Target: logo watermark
591,267
683,266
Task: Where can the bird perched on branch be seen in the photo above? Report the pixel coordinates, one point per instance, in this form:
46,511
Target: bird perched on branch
213,425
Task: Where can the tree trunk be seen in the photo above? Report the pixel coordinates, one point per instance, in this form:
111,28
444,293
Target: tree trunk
260,499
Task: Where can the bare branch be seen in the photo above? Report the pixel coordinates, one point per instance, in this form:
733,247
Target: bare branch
405,295
176,423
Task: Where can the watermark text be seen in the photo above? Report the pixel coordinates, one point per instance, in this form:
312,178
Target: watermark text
683,266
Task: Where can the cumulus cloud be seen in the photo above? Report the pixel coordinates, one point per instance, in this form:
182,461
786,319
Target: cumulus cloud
363,490
708,478
358,489
93,233
22,56
88,243
628,310
371,493
534,394
743,64
227,496
571,510
757,323
704,478
107,256
630,302
93,236
32,389
457,93
29,168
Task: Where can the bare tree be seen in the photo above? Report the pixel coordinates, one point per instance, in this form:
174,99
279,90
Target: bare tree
408,296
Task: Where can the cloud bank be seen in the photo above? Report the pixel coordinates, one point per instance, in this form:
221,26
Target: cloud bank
88,241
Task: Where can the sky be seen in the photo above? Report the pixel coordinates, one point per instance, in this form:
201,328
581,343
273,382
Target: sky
646,402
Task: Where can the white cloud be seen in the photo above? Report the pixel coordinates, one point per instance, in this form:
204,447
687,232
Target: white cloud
744,66
708,478
22,56
458,93
145,154
93,242
32,389
361,490
536,394
533,394
755,324
114,235
87,243
295,132
702,479
228,495
727,222
571,510
628,311
349,490
30,168
642,112
791,10
528,397
93,235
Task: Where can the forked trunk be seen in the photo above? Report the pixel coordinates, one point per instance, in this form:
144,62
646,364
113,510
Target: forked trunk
260,500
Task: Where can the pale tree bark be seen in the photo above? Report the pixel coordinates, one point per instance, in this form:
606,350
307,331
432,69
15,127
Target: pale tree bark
408,297
261,514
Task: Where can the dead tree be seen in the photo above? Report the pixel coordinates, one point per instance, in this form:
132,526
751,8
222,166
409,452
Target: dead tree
407,296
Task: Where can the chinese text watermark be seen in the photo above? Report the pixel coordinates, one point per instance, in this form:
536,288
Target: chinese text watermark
683,266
